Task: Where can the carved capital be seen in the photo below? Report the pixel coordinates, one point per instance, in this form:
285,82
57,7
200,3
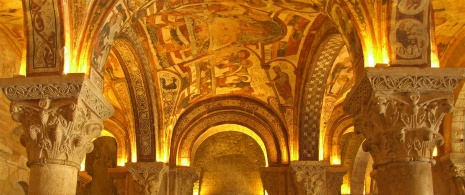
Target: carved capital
310,176
399,111
335,179
60,115
147,176
185,179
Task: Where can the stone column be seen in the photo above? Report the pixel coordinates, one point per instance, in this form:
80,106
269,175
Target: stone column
310,177
182,180
274,180
60,115
399,112
149,177
335,180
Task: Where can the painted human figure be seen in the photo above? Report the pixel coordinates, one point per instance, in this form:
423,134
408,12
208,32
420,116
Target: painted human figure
282,84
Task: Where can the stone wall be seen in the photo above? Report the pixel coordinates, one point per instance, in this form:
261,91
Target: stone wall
14,175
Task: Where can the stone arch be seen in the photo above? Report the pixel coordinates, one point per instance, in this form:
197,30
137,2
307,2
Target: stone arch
339,123
122,140
361,167
314,74
250,113
226,128
140,86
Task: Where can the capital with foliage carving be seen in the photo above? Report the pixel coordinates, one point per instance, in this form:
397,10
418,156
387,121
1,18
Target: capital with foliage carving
310,176
147,176
185,179
60,116
399,111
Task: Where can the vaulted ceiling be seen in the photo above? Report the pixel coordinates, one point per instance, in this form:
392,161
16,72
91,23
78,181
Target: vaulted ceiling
165,56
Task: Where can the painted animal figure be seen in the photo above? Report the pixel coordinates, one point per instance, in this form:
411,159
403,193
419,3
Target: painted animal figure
171,86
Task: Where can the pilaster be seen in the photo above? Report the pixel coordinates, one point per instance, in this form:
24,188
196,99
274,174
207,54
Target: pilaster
399,112
60,116
148,177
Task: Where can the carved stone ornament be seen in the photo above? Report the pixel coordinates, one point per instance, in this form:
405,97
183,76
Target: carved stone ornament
335,179
310,177
185,179
60,115
147,176
399,111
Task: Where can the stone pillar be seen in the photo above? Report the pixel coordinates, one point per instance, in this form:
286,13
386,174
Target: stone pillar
274,180
60,115
310,177
399,112
149,177
335,181
181,180
449,174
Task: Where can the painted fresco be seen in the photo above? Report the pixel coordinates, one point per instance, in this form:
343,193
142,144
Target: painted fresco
281,77
409,33
186,34
229,71
106,37
228,48
341,77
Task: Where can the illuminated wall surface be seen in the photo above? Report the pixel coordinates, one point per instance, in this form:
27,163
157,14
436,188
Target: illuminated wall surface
156,61
229,163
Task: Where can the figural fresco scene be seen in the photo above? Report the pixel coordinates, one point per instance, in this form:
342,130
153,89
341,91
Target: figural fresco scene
226,87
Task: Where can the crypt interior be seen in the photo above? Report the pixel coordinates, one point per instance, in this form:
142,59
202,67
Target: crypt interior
229,97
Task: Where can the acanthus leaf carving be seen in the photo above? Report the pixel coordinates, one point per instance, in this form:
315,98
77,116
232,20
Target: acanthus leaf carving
400,114
310,177
56,131
147,176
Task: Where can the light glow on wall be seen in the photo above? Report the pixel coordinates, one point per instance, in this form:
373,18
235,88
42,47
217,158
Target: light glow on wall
435,151
229,127
434,60
185,162
335,160
22,67
345,189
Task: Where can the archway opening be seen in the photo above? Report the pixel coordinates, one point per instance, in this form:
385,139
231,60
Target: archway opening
228,162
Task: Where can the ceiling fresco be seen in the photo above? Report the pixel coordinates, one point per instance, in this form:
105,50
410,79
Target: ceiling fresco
205,49
199,49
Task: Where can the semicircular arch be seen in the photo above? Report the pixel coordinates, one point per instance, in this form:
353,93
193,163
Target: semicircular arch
242,111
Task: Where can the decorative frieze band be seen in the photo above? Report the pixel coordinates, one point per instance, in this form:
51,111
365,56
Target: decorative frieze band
75,85
401,79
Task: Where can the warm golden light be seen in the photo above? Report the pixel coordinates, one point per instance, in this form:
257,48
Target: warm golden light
335,160
83,164
230,127
133,154
345,189
22,68
185,162
435,151
434,60
196,188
